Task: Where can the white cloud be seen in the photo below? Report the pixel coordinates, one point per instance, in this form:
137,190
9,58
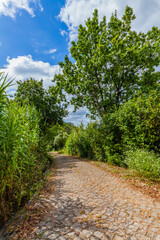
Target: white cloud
78,116
11,7
76,12
63,32
24,67
0,43
51,51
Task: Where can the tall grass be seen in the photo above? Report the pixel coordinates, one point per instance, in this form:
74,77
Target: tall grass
145,162
22,156
4,83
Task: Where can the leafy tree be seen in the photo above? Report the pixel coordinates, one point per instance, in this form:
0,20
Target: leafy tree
111,63
46,102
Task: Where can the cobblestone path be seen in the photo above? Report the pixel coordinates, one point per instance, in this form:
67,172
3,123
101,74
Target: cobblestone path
89,203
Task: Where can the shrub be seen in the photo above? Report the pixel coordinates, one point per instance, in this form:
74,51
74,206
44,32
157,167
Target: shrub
77,143
87,142
136,123
96,135
113,139
139,120
60,140
144,162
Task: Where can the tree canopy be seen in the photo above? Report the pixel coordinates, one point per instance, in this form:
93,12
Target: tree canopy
111,63
46,102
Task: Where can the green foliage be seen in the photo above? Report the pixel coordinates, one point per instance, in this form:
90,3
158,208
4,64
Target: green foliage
86,142
21,161
144,162
60,140
46,102
114,76
139,120
23,156
113,139
95,135
68,127
77,143
25,137
111,63
4,84
54,131
136,123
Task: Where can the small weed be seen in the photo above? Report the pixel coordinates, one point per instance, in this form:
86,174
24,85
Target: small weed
41,234
60,151
84,220
115,171
126,177
98,164
99,215
141,179
26,215
82,212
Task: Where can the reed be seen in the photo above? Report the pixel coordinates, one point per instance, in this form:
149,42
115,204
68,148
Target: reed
21,159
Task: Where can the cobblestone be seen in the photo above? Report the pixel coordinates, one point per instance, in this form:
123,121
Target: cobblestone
90,203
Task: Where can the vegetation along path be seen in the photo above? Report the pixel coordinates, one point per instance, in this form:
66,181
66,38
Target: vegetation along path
89,203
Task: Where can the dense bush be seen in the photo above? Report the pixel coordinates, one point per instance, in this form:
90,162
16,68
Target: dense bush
113,139
144,162
139,121
136,123
87,142
77,143
60,140
95,134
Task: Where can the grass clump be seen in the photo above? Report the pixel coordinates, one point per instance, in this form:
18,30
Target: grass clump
146,163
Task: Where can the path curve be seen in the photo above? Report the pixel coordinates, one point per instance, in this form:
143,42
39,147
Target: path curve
89,203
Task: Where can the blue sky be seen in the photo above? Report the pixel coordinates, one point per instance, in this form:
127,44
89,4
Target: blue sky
25,34
35,34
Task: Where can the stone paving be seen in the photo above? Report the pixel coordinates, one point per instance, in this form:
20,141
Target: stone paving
89,203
